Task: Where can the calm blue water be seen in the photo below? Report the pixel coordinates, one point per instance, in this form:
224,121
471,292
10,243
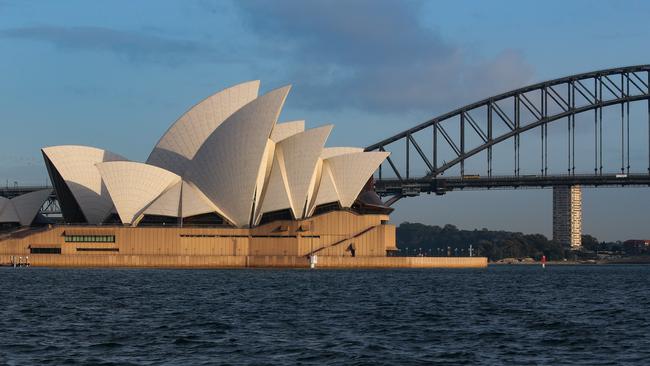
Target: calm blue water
586,315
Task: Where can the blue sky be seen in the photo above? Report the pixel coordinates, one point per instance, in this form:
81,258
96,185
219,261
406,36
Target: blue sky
116,74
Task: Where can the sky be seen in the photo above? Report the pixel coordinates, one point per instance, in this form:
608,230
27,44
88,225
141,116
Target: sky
116,74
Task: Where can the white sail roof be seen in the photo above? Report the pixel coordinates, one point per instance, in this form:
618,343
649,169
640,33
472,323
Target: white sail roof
326,188
276,195
168,203
227,165
7,211
3,203
285,129
295,172
263,177
24,208
184,138
330,152
133,186
226,155
195,202
181,200
76,165
300,154
327,192
352,171
280,132
28,205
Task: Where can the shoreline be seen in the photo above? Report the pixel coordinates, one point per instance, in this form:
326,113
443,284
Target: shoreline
630,260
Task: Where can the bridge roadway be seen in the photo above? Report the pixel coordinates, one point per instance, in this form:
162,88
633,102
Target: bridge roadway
399,188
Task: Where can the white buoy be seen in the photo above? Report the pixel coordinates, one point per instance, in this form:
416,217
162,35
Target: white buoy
313,259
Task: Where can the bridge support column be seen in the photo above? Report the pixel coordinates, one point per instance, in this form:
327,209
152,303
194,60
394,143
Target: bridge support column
567,216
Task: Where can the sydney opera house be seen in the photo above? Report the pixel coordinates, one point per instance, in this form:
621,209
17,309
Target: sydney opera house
227,185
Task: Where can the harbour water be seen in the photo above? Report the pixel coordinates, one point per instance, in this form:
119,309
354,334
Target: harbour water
582,315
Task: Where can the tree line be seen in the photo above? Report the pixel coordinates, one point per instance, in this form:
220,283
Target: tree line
415,239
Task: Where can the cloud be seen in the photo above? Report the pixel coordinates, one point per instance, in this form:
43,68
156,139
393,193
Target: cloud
377,55
132,46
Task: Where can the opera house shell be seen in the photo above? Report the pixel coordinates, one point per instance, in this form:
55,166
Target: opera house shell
22,210
226,161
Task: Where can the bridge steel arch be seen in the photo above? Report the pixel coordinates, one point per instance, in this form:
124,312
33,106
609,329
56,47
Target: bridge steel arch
566,97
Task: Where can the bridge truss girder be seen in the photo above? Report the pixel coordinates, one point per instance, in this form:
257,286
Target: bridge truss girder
566,97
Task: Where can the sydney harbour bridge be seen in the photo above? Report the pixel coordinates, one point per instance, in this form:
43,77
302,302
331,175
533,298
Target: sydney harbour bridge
590,129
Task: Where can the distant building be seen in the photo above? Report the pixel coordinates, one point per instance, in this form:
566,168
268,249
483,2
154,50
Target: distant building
567,216
636,246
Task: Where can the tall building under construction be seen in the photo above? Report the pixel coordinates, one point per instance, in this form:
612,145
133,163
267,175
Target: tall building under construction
567,216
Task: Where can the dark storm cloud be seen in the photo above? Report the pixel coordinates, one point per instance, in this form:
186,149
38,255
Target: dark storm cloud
131,45
376,54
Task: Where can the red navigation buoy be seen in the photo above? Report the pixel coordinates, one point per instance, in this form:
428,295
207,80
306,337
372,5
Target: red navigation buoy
543,261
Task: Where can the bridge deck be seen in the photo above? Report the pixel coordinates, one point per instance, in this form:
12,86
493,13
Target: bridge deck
440,185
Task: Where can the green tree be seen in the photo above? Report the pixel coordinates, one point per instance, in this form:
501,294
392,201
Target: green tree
590,243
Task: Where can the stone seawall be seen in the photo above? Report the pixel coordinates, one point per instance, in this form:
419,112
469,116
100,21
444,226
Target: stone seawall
190,261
